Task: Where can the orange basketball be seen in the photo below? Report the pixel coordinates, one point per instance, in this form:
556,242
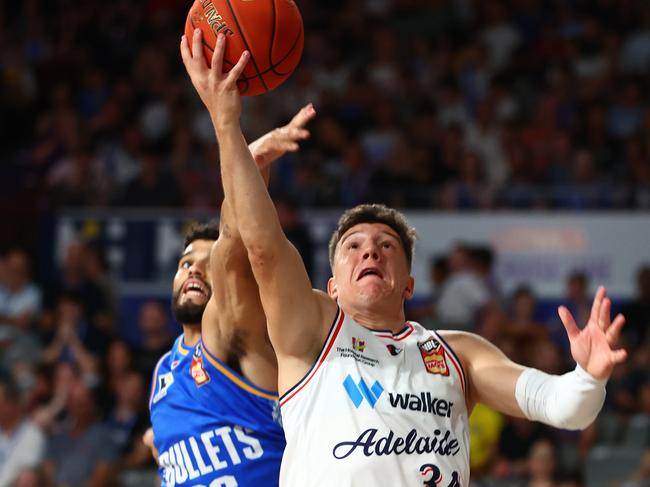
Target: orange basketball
271,30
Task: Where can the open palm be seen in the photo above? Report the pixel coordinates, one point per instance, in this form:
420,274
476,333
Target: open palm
593,347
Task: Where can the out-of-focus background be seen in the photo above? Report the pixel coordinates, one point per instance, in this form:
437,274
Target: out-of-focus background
515,134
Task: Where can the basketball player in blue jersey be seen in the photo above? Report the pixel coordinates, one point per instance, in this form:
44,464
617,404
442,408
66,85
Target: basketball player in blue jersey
368,398
213,405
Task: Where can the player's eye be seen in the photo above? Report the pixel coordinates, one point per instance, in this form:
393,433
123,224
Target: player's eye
186,264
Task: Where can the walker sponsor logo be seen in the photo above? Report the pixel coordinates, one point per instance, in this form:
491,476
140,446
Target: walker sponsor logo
207,455
360,391
424,402
441,443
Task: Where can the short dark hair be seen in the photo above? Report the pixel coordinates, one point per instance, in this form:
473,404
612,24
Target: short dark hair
201,231
375,213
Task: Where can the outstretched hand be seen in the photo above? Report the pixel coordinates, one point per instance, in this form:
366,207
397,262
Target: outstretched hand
593,347
279,141
218,90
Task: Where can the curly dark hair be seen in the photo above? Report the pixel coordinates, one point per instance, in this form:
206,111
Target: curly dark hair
201,231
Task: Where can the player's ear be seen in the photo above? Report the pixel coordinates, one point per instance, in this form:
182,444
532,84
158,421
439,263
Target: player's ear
331,288
410,287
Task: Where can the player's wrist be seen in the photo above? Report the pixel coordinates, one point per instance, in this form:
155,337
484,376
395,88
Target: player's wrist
225,126
585,376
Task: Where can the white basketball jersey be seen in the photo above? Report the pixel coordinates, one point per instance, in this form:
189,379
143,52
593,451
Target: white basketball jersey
378,408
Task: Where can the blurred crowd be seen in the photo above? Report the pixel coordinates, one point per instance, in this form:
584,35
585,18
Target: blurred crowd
73,391
453,104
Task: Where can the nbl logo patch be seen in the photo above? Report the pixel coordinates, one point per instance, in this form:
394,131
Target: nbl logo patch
433,355
197,371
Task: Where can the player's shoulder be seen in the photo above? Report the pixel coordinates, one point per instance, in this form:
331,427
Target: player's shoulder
470,347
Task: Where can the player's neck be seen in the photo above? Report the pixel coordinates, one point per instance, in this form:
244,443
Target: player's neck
191,335
378,320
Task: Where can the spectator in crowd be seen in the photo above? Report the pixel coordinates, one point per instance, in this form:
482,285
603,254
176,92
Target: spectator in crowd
542,464
81,452
463,294
20,305
156,337
20,299
97,270
118,362
129,419
577,301
637,313
522,328
72,341
515,445
22,443
72,280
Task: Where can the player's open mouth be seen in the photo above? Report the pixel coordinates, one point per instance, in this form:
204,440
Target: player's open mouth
195,288
370,271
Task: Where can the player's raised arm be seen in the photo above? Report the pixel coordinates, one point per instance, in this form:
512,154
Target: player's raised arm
296,314
570,401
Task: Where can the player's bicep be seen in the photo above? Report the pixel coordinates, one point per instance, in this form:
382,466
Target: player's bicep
492,376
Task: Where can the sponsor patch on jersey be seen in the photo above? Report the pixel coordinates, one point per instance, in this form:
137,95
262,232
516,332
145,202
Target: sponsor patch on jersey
393,350
359,391
197,371
358,344
164,382
433,355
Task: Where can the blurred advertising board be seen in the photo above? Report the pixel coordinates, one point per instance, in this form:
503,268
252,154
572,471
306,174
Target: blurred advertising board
539,249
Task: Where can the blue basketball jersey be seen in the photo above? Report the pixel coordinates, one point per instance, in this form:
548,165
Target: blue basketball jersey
212,427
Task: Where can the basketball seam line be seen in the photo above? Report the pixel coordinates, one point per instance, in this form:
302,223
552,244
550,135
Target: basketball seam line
243,38
272,65
271,68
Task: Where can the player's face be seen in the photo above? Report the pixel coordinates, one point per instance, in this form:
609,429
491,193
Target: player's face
191,288
370,265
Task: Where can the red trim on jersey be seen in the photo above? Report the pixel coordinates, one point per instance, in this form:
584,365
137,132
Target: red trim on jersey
399,337
455,361
327,346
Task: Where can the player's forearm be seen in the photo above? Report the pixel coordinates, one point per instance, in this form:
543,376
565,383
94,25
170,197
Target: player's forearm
570,401
245,189
227,222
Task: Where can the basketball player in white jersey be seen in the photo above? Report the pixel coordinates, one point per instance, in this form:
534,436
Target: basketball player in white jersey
367,398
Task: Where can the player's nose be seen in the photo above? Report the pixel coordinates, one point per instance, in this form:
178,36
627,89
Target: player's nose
371,252
197,269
